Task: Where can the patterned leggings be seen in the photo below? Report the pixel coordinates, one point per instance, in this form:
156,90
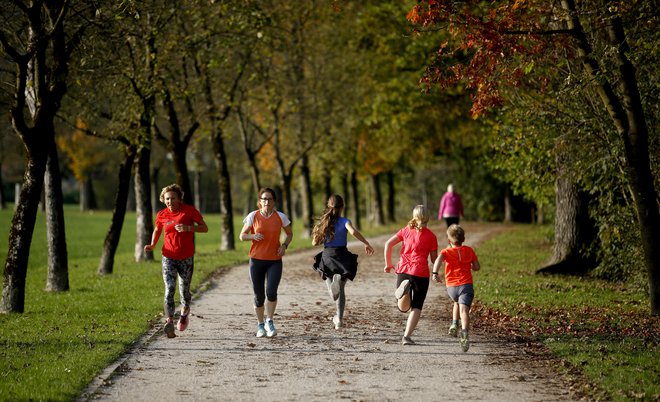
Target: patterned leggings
184,268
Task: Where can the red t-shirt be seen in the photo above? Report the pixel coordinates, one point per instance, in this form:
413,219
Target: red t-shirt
178,245
458,265
415,250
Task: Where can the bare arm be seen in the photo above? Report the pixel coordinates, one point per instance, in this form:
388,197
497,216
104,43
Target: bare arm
289,236
438,266
389,244
356,233
245,234
475,265
154,240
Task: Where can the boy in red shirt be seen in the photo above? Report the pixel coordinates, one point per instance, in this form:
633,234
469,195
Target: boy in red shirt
460,261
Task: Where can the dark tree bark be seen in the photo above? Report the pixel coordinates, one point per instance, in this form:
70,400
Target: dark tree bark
111,241
3,198
574,231
224,187
58,260
87,195
347,195
327,185
178,144
627,114
391,198
508,207
356,199
306,195
45,67
143,213
377,202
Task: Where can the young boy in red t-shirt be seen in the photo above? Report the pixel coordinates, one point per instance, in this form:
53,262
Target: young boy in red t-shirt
459,261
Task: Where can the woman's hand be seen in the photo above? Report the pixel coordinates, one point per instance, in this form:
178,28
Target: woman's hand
368,249
183,228
257,237
148,248
387,269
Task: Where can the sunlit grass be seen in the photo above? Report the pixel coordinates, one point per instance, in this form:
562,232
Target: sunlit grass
603,330
62,340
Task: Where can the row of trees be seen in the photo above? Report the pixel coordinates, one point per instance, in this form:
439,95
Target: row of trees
317,95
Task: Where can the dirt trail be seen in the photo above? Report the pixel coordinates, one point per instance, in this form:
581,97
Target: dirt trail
219,358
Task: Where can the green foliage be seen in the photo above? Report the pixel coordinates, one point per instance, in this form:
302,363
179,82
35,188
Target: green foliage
600,329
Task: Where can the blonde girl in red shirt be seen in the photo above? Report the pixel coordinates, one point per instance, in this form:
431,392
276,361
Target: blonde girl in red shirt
263,227
419,243
179,221
459,262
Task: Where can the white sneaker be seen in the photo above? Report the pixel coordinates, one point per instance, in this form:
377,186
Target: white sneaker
261,331
337,322
270,329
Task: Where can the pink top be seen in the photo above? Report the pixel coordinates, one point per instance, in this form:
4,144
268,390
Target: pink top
450,205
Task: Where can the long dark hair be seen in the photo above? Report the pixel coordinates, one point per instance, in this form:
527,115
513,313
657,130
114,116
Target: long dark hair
325,229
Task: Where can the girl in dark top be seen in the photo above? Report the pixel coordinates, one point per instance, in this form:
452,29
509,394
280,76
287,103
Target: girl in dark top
335,263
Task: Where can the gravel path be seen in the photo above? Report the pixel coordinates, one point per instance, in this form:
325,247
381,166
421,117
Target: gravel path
219,358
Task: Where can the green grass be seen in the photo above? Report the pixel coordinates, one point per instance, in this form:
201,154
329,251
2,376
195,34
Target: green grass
62,340
601,330
54,349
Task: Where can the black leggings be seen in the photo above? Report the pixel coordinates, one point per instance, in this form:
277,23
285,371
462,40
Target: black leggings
268,272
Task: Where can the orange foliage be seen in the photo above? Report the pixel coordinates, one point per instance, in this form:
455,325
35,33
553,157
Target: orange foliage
84,152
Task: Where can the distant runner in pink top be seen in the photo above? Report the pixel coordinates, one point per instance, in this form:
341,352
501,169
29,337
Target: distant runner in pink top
451,206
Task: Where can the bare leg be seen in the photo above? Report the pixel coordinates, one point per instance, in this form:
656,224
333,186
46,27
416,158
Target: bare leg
270,309
404,303
455,312
413,319
465,316
260,314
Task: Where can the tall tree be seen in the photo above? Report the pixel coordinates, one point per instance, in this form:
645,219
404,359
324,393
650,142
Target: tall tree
501,41
40,47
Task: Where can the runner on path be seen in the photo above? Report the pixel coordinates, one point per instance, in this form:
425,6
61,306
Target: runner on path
219,358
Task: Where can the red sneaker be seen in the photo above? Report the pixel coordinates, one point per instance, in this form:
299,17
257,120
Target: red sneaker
183,322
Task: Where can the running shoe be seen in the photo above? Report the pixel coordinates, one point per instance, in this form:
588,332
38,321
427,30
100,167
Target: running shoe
403,289
337,321
335,287
464,341
407,341
453,330
270,329
261,331
169,328
183,322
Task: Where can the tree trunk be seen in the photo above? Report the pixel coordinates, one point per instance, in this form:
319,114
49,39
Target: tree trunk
58,261
87,197
356,199
155,189
306,195
391,198
111,241
627,115
377,202
508,207
346,193
143,212
3,199
224,188
573,229
22,228
327,185
197,188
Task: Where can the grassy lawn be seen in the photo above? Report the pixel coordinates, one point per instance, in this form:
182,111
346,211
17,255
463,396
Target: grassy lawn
599,329
62,340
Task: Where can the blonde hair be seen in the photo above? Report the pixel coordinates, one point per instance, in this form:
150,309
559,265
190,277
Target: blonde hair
456,234
325,229
420,217
172,187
